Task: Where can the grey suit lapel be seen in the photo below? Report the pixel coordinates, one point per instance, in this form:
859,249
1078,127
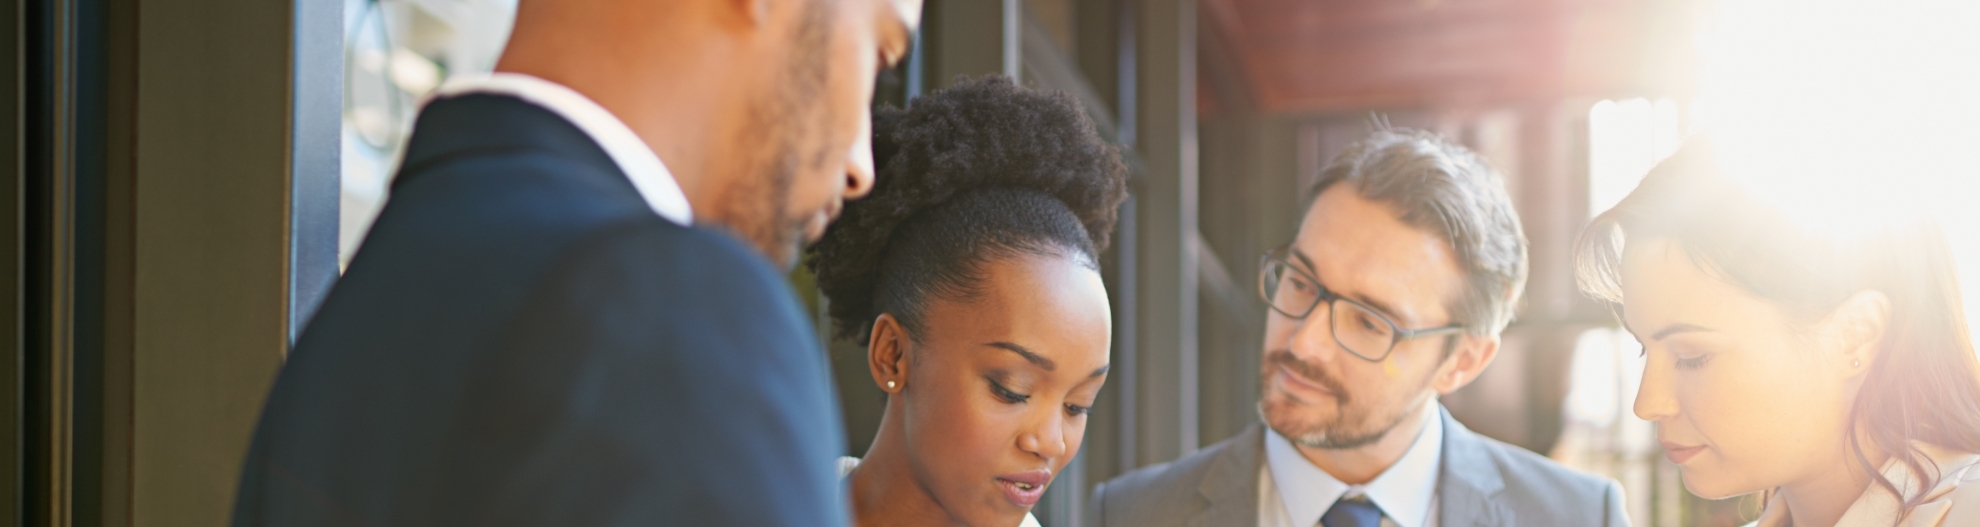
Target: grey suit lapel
1231,484
1468,480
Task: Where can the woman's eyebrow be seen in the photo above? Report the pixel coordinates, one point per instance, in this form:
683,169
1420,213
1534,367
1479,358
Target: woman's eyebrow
1679,328
1036,359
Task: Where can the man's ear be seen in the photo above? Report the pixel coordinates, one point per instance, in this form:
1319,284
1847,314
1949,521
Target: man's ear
887,354
1858,325
1472,355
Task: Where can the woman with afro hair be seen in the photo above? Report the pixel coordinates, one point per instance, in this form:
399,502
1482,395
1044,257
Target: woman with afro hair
971,275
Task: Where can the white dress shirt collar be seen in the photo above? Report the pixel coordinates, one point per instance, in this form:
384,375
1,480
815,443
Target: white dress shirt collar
1406,492
655,184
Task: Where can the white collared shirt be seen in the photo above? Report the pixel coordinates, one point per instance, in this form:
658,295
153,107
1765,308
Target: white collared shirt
655,184
1292,492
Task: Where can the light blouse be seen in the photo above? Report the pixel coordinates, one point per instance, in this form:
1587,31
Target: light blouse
1955,501
848,463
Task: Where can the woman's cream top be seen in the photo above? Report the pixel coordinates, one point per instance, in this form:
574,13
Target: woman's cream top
1955,501
848,463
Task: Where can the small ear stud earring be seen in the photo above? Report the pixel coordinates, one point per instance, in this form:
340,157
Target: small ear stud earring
890,385
1852,364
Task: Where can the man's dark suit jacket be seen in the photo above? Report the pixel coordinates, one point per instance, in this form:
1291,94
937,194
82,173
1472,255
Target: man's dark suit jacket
1482,483
523,341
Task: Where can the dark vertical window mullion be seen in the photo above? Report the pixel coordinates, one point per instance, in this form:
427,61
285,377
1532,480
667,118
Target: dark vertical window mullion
64,245
88,155
12,23
43,43
1125,367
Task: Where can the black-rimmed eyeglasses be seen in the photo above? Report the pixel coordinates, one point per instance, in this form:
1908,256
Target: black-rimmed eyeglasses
1357,328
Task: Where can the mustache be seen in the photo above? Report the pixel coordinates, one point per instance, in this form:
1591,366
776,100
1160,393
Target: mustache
1309,371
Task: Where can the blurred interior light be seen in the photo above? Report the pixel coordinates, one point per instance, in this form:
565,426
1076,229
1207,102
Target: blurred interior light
369,60
1848,115
372,121
1852,115
1592,382
414,73
1626,140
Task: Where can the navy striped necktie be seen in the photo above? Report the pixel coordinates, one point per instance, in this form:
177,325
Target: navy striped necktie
1352,512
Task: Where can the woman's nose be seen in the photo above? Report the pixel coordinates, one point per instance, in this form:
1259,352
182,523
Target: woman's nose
1654,398
1047,439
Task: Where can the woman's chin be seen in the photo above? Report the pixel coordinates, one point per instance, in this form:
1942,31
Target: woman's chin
1712,488
1001,517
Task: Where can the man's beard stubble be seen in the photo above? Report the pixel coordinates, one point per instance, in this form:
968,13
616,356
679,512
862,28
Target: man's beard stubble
789,128
1348,428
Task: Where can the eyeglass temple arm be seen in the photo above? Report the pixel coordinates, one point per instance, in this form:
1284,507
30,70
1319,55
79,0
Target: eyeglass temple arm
1407,334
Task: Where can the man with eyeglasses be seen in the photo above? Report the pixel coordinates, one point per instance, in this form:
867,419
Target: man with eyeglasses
1407,265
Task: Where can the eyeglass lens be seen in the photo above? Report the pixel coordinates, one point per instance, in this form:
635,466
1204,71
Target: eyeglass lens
1292,293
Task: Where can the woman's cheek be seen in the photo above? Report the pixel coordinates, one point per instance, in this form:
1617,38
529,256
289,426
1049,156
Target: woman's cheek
985,426
1710,398
1711,418
954,417
1755,420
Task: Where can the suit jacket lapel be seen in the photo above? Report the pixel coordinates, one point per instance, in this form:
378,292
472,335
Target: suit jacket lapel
1230,486
1469,480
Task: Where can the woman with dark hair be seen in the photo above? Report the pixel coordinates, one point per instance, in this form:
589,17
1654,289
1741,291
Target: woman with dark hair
971,275
1830,370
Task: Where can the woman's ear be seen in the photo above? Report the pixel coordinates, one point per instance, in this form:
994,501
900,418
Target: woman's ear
886,353
1858,326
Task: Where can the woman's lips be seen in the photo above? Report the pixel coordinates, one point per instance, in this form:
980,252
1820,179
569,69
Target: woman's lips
1024,489
1678,454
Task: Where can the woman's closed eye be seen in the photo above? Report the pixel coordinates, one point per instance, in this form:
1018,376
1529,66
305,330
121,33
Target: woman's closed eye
1693,363
1689,355
1005,394
1077,410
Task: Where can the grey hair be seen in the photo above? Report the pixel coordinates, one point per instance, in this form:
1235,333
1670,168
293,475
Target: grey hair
1444,188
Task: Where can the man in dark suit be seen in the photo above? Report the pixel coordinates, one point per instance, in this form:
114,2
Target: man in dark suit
572,312
1407,265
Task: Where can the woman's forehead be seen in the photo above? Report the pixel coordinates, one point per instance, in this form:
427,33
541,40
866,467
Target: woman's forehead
1663,286
1050,306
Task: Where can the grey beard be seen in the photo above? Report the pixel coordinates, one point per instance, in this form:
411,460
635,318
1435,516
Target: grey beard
1328,437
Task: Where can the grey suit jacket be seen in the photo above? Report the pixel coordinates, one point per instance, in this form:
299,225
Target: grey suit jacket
1482,483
